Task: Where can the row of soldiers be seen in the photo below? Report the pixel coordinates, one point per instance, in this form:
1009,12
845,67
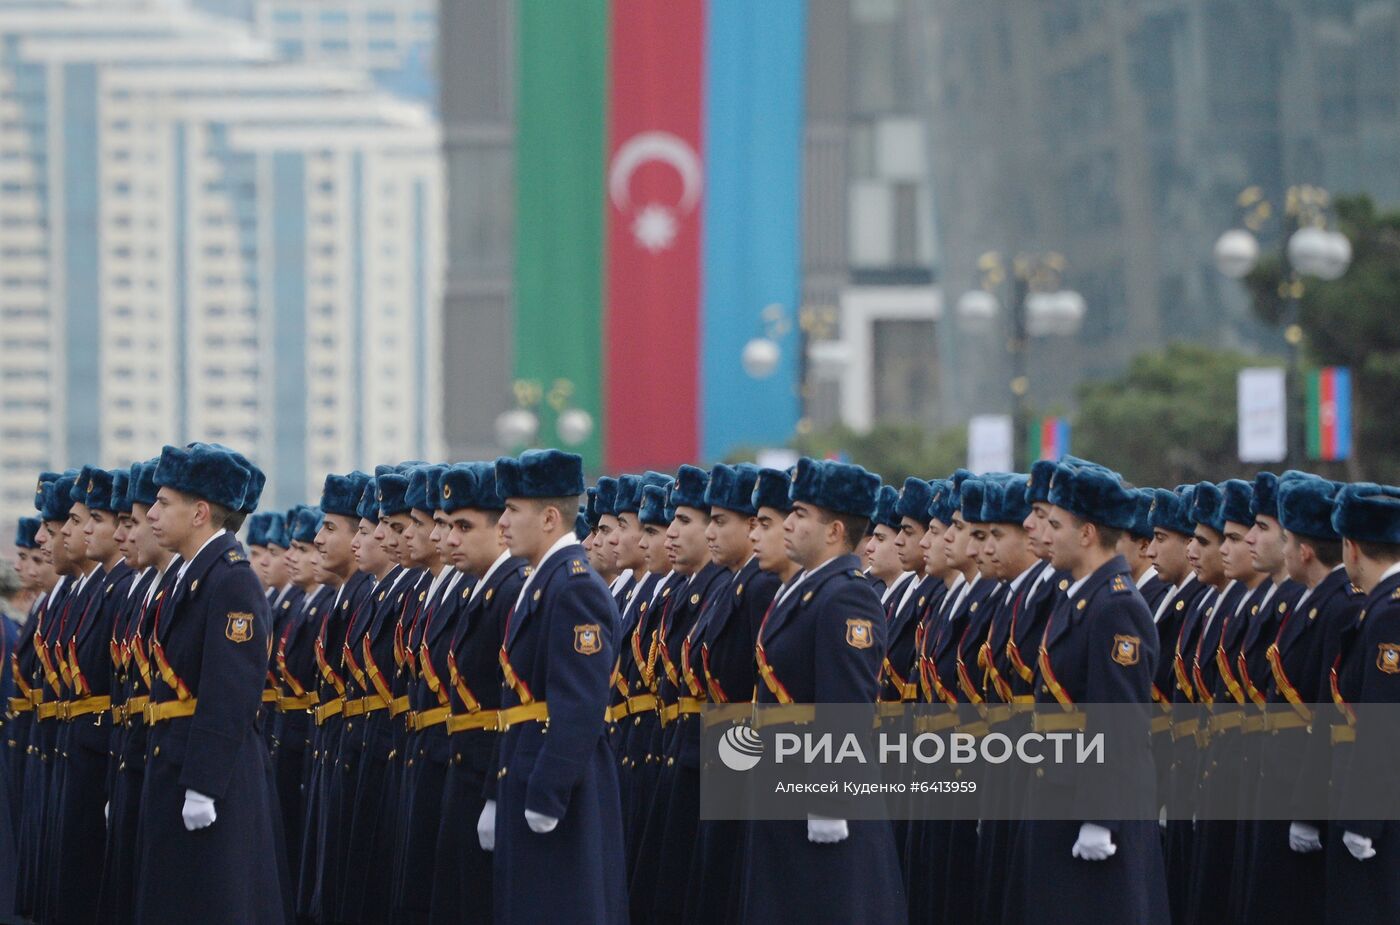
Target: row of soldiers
458,694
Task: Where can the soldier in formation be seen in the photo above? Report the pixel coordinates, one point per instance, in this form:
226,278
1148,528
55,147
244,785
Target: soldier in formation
477,692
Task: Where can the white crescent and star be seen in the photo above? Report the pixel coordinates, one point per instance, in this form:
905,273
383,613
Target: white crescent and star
655,224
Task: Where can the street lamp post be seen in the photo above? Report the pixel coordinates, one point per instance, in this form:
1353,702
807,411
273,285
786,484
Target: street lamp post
1038,306
1308,247
817,325
519,426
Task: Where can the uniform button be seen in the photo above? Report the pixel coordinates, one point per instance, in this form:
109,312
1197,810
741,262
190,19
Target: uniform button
637,721
410,762
122,766
456,759
1039,772
156,752
670,762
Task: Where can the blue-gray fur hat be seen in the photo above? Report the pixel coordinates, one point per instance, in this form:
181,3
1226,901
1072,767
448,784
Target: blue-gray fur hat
834,486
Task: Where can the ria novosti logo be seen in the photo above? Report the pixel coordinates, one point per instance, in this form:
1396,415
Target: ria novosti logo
740,748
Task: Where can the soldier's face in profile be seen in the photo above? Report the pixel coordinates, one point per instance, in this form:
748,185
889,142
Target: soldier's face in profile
1168,553
599,555
100,535
727,538
369,553
1034,524
276,566
688,542
885,561
41,569
51,539
123,539
333,543
652,544
1204,553
297,565
474,540
626,542
257,557
955,545
1008,551
73,533
1293,558
911,554
806,536
140,537
24,570
935,556
977,549
392,529
604,545
418,537
172,518
1064,533
1265,541
767,538
523,524
1235,553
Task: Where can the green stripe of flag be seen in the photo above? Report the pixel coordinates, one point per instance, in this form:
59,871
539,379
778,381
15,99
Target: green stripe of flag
1314,415
559,164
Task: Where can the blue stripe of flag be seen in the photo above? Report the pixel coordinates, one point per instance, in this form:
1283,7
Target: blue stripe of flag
1341,391
751,248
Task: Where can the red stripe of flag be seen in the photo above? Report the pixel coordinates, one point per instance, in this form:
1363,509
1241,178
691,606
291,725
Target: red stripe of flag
655,190
1327,412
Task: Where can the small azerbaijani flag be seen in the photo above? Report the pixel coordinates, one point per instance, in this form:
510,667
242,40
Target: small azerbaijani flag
1049,438
1329,413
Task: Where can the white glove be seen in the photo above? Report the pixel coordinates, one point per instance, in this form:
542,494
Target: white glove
1304,838
486,826
539,823
1359,846
824,831
1095,843
199,811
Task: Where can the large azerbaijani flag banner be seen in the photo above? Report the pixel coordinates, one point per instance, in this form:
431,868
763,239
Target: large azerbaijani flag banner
658,156
1329,413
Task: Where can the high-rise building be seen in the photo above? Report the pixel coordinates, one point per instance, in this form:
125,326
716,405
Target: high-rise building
478,130
869,250
202,243
393,40
1120,135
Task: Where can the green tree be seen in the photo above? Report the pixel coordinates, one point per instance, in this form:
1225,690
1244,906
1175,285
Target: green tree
1351,322
1168,419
